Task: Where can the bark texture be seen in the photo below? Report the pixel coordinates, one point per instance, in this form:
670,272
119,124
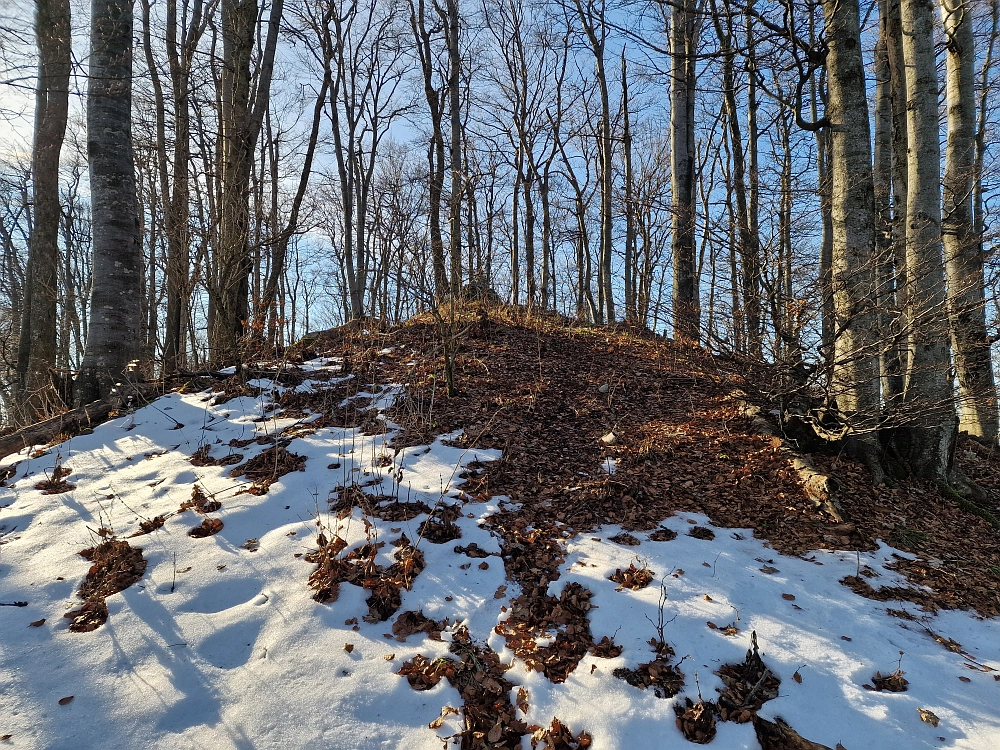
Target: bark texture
113,333
683,45
926,444
38,398
963,258
855,367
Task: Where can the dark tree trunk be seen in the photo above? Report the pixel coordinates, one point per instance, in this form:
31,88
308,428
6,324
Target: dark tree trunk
115,302
38,399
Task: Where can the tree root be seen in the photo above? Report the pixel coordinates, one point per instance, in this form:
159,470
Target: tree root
820,488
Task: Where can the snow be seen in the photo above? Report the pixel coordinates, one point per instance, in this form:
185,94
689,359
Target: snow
219,646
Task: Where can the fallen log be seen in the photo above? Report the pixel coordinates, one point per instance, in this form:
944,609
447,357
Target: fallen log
820,488
71,422
777,735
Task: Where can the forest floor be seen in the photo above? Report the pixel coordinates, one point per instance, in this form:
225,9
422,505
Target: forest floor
588,546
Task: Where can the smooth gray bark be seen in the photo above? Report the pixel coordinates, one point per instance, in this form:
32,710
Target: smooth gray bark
855,366
963,259
927,443
115,302
38,398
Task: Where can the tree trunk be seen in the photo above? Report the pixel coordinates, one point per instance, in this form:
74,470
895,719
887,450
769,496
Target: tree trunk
435,149
240,120
963,261
683,46
38,398
594,24
455,144
631,315
177,210
113,332
855,371
927,442
888,310
899,350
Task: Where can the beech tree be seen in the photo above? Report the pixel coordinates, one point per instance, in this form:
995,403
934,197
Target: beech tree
243,103
685,22
855,372
36,355
113,331
926,442
963,256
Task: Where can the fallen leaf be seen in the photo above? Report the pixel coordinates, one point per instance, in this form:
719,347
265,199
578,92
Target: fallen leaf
788,597
37,623
708,598
797,677
928,717
66,700
495,734
348,647
6,737
844,638
840,747
965,679
389,657
484,565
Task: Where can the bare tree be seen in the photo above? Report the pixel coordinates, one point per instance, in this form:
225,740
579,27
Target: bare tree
855,373
37,349
927,444
244,101
963,258
113,331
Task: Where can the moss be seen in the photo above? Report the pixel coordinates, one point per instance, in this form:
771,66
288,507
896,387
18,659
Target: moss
968,506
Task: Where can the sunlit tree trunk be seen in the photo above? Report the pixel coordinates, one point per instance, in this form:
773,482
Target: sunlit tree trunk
963,260
927,443
855,371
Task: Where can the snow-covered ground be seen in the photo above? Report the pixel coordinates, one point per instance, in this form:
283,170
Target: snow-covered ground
220,645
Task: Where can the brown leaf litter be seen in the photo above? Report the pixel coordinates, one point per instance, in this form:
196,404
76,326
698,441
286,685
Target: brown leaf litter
115,565
632,577
664,678
359,568
56,484
201,457
682,444
268,467
490,720
749,685
199,502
